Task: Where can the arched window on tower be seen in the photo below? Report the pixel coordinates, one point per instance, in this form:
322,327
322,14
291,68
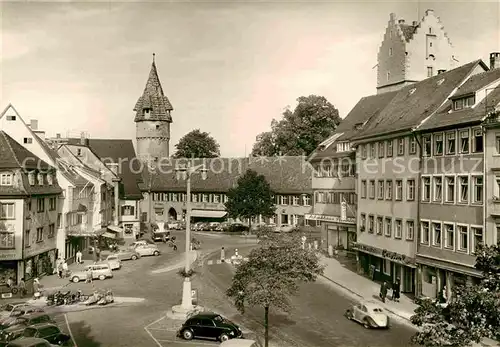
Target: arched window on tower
147,112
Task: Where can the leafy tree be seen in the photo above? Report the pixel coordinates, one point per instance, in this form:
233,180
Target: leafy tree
301,131
272,274
251,197
197,144
471,314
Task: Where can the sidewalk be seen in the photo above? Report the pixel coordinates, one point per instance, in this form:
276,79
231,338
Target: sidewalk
363,288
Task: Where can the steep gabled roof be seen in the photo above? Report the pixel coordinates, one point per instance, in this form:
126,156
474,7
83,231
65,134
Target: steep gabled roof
122,152
13,155
153,98
408,31
415,103
477,82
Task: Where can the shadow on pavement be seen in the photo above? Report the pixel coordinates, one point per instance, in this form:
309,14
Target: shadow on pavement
82,333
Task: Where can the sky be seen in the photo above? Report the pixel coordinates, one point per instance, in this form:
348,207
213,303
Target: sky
228,68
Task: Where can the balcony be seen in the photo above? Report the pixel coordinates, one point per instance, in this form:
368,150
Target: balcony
494,209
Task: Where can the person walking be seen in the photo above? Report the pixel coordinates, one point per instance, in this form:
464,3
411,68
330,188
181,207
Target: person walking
383,291
79,257
396,290
64,269
89,275
60,268
22,287
174,245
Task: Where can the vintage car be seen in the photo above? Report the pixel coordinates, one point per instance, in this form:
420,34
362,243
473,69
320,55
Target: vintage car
368,313
145,250
114,262
209,325
100,271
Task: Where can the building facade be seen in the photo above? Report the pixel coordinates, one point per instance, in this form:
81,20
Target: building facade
412,52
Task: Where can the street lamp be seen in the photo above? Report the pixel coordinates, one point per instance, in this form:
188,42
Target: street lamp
181,311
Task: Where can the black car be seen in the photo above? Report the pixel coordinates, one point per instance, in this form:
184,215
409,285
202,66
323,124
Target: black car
159,236
49,332
237,227
209,325
28,319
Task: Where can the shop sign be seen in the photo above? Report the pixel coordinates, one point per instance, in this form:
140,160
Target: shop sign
400,258
334,219
8,256
343,211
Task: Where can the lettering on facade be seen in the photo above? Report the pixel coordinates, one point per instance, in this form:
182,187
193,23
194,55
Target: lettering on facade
400,258
335,219
343,211
8,256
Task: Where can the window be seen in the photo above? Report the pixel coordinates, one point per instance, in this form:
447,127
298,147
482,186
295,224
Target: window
306,199
436,234
399,190
438,144
430,71
27,140
128,210
39,234
388,75
477,182
363,189
398,228
78,151
450,189
194,197
6,240
205,198
7,211
380,225
371,222
449,236
364,151
372,189
10,118
388,190
52,230
52,204
388,227
50,179
450,143
463,237
381,191
497,143
413,145
424,233
372,150
390,51
410,230
478,141
6,179
463,186
40,205
401,146
411,190
426,188
389,148
478,237
27,238
40,179
216,199
381,149
464,141
284,200
438,188
426,144
363,222
458,104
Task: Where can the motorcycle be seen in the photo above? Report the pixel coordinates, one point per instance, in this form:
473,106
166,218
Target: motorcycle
107,298
94,298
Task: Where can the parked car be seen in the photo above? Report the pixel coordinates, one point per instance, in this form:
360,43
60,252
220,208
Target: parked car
123,254
145,250
224,226
181,226
286,228
368,313
49,332
172,225
114,262
11,311
159,235
134,244
239,343
100,271
30,342
238,227
28,319
209,325
213,226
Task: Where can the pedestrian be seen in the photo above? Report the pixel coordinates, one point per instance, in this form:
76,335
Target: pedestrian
89,275
396,290
10,283
98,253
443,298
164,238
222,255
174,245
64,269
79,257
22,287
383,291
60,269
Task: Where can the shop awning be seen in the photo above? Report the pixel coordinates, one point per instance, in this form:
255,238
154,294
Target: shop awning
115,229
208,213
109,235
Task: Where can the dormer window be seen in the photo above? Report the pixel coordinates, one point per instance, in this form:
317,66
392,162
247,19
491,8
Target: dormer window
343,146
31,178
462,103
50,179
40,179
6,179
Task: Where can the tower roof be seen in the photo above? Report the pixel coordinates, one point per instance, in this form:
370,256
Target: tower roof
153,99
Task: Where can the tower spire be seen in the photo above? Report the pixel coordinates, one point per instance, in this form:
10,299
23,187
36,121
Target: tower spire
153,58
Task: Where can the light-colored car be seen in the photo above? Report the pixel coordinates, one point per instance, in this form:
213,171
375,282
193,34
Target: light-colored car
114,262
368,313
100,271
127,254
239,343
145,250
9,312
133,245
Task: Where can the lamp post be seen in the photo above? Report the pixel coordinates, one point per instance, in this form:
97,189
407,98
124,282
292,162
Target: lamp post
152,172
181,311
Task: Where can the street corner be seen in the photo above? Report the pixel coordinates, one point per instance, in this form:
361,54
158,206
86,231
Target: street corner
164,332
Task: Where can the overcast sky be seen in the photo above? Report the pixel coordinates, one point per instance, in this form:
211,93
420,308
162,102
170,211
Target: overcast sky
227,68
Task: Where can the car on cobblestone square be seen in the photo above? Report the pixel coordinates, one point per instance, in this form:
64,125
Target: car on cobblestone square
114,262
49,332
11,311
145,250
100,271
209,325
30,342
368,313
126,255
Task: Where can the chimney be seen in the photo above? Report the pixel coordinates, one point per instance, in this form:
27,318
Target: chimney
58,136
494,60
401,21
440,71
414,23
34,124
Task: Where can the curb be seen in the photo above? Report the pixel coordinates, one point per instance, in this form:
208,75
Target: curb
362,297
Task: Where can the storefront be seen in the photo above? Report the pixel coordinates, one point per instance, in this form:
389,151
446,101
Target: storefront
40,265
382,265
335,231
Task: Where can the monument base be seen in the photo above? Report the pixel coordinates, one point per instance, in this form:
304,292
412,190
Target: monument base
178,312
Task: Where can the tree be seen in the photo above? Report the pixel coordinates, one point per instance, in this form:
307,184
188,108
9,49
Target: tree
301,131
197,144
250,198
471,314
272,274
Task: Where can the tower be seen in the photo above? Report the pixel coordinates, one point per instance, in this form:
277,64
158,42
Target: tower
153,120
412,52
